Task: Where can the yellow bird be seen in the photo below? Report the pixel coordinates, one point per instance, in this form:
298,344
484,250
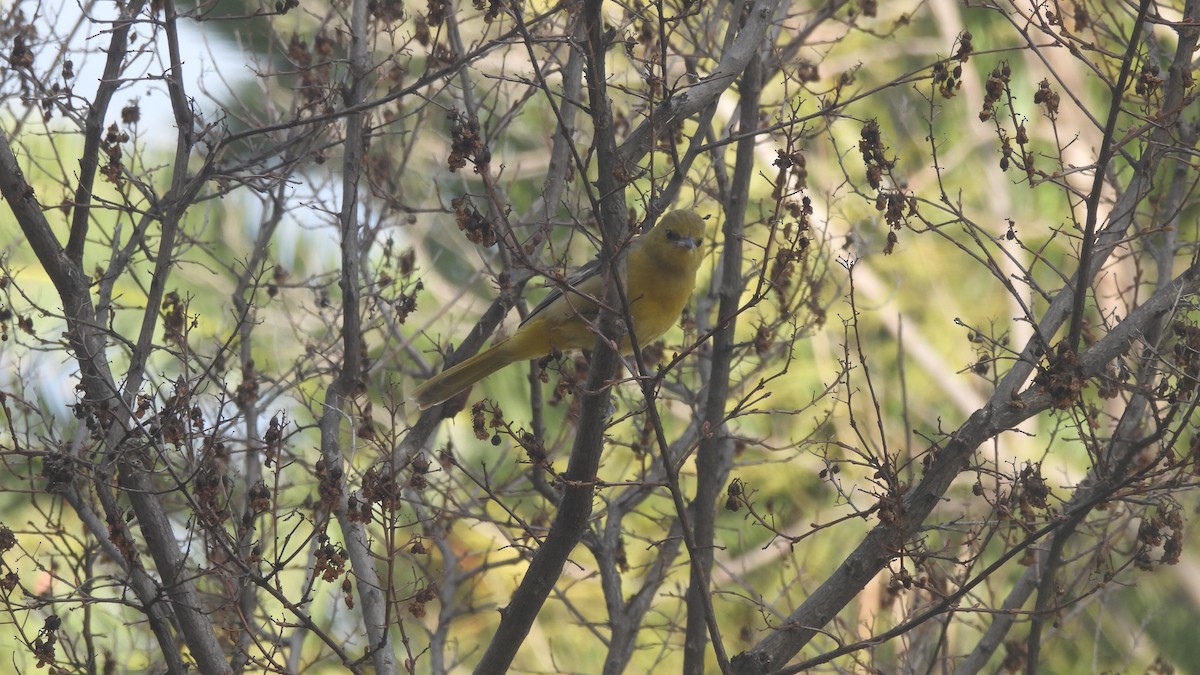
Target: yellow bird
661,274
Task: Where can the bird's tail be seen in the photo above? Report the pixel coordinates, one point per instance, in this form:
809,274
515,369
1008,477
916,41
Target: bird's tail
457,378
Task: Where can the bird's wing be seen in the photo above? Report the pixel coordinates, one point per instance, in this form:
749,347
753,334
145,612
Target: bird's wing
584,281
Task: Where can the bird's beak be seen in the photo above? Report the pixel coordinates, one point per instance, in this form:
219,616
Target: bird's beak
688,243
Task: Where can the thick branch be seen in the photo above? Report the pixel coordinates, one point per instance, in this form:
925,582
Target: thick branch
575,508
1000,414
714,456
89,345
93,130
349,380
679,107
1107,143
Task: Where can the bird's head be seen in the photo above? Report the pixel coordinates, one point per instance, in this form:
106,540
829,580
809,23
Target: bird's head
681,229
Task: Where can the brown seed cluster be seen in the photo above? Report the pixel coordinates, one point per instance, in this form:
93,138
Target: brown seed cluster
1163,528
329,484
1047,98
1062,379
475,225
994,90
467,145
874,156
330,561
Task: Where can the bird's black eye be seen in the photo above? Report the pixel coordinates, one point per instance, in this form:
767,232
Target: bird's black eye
672,235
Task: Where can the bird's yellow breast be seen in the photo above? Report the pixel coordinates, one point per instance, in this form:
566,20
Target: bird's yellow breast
659,285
